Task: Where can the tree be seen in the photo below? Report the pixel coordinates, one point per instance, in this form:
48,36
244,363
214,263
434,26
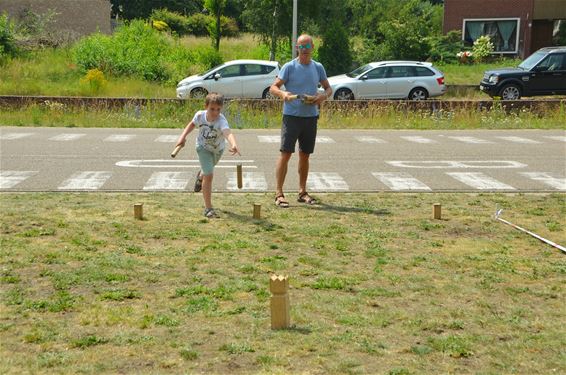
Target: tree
334,53
215,7
131,9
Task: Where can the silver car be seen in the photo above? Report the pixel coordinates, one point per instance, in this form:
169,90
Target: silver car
389,80
233,79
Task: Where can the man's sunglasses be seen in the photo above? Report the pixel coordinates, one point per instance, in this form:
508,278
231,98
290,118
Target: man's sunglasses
304,46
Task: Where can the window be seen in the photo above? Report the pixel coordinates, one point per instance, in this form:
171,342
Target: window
230,71
502,32
551,63
423,72
376,73
399,71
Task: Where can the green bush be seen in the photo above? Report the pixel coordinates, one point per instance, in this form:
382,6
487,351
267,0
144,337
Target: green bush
138,50
8,46
445,47
197,24
335,53
483,47
178,23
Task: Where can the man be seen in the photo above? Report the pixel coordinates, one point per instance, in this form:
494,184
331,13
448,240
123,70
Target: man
300,76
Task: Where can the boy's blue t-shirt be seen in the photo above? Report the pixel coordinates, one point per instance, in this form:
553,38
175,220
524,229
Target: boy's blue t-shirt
301,79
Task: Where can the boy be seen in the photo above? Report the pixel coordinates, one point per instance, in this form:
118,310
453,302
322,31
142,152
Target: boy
213,129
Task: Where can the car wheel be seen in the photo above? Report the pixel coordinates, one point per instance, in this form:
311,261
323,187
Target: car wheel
344,94
418,94
268,95
510,92
199,93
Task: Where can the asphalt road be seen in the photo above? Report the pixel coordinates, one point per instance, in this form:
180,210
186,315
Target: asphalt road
82,159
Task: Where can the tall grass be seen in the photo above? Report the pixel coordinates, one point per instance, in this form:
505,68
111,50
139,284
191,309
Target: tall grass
243,116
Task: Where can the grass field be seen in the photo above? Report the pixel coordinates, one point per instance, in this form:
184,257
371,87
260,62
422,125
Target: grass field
377,285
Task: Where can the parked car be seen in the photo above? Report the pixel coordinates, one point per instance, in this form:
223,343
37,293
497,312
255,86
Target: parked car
234,79
542,73
389,80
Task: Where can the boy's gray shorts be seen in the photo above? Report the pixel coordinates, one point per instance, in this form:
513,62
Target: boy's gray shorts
302,129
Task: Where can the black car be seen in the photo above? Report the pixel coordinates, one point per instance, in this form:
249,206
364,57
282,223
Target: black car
542,73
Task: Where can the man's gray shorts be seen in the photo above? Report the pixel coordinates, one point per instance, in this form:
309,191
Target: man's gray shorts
302,129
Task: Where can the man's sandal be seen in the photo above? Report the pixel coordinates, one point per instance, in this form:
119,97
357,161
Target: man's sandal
280,201
304,197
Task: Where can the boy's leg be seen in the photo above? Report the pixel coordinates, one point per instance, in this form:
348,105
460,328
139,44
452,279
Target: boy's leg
207,162
207,190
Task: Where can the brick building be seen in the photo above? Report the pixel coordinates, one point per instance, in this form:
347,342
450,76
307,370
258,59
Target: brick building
516,27
78,17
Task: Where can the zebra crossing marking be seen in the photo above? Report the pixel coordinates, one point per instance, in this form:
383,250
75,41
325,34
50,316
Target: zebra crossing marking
167,181
326,181
472,140
269,138
119,138
251,181
13,136
369,139
167,138
324,139
479,181
66,137
547,179
400,181
88,180
418,139
518,139
556,137
9,179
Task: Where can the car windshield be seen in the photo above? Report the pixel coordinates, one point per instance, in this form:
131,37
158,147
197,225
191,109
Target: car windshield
360,70
531,60
208,71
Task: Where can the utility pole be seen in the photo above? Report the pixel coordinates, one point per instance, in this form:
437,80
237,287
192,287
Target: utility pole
294,50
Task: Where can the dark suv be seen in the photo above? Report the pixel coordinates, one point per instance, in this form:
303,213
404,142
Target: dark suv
542,73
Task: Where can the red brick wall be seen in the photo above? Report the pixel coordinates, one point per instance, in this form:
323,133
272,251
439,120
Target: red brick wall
456,10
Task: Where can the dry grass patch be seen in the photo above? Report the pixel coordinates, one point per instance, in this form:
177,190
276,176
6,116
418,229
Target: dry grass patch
377,285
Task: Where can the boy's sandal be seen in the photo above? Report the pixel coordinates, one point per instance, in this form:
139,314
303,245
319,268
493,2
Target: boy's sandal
210,213
280,201
198,183
304,197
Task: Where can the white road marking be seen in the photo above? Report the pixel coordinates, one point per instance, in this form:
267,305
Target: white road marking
519,140
556,138
89,180
269,138
546,178
400,181
250,181
65,137
418,139
119,138
368,139
323,139
323,181
479,181
179,163
472,140
438,164
168,181
12,136
167,138
9,179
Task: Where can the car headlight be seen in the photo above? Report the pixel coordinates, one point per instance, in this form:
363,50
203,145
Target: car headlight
493,79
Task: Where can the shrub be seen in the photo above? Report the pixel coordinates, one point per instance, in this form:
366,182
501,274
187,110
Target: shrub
482,48
95,79
445,47
197,24
176,22
7,40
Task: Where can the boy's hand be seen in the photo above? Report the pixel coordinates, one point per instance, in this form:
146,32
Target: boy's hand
234,150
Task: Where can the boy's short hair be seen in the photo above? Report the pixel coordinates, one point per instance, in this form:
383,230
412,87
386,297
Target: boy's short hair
214,98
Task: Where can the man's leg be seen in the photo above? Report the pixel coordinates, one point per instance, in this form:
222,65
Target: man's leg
303,171
281,171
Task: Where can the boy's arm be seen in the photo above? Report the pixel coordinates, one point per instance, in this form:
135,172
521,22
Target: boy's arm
189,128
232,140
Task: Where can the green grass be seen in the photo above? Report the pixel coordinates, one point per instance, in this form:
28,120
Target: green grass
377,285
242,115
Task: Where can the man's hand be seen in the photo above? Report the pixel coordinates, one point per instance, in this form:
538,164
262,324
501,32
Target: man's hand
234,150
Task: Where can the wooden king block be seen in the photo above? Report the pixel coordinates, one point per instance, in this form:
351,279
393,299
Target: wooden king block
280,315
257,211
239,176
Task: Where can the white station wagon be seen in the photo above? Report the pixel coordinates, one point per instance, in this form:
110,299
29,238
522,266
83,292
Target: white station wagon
389,80
233,79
